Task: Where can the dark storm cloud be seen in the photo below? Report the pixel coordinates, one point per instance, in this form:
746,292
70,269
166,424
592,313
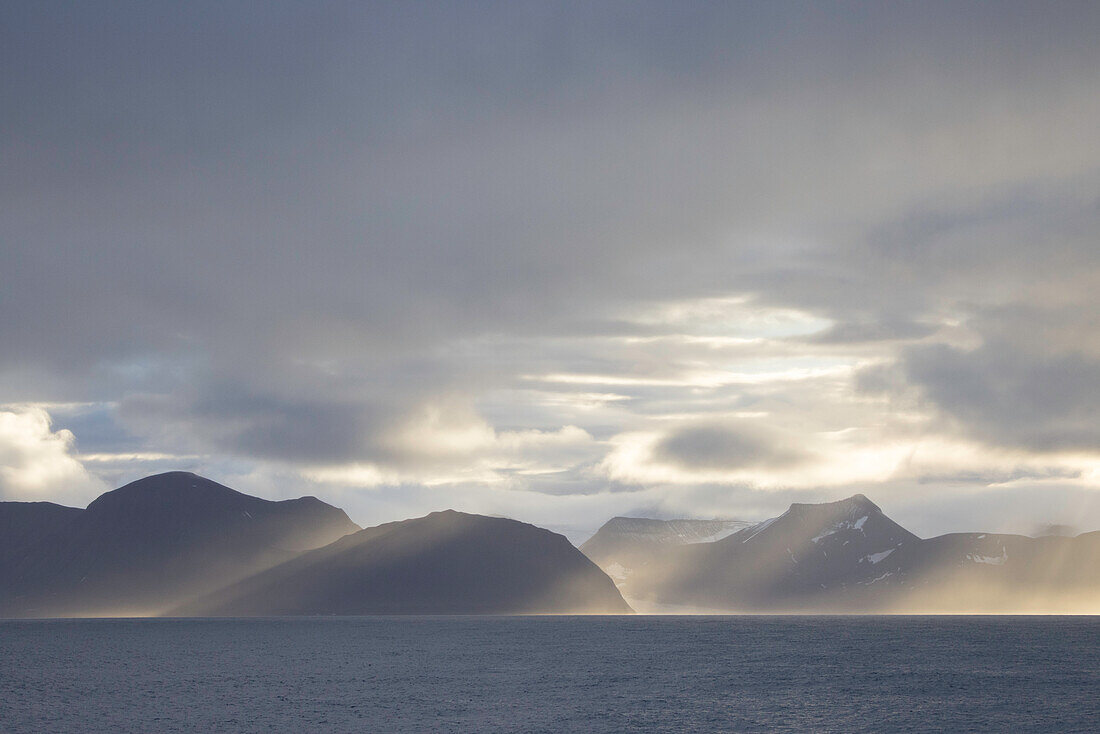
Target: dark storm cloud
193,173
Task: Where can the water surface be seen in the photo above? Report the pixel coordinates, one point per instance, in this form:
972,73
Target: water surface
581,674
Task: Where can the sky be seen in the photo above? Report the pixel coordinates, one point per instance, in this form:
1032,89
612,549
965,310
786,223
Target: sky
557,261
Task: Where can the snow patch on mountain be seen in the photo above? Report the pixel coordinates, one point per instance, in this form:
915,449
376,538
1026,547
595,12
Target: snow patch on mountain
761,527
876,557
989,560
843,525
879,578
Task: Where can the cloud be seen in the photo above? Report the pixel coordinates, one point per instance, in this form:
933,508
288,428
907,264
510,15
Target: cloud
535,247
726,447
855,332
436,452
1008,396
37,463
241,422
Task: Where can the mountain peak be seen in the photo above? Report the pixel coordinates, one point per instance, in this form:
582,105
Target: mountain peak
861,499
147,544
855,503
170,492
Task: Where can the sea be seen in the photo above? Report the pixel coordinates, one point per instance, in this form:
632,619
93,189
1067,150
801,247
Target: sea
552,674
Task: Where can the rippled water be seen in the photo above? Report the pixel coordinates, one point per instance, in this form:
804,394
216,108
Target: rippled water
552,674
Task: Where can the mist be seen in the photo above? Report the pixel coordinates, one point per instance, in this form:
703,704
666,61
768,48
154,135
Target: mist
847,557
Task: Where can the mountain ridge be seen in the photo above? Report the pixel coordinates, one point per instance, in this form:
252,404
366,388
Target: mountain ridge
446,562
848,556
183,544
140,548
163,542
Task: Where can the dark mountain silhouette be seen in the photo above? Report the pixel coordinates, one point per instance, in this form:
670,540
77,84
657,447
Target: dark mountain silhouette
848,556
149,545
445,563
23,525
177,543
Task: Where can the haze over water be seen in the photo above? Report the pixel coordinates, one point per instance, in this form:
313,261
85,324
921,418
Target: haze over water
591,674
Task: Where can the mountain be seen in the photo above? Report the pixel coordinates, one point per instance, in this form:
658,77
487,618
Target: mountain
992,573
848,556
23,525
181,544
155,542
444,563
802,558
623,544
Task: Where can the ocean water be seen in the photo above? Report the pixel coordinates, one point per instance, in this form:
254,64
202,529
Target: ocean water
552,674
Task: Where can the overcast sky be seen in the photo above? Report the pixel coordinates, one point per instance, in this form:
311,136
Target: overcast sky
557,261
